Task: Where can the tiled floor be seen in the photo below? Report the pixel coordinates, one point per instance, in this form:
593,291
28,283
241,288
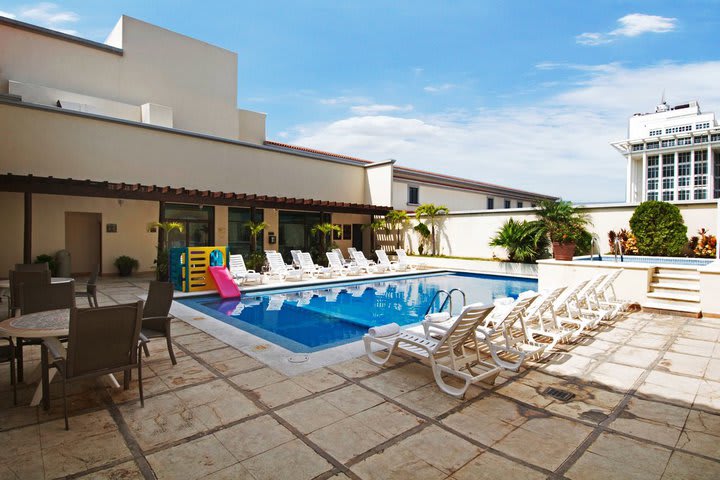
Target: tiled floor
646,405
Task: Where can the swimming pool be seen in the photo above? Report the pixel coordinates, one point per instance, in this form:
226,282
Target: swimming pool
310,319
695,262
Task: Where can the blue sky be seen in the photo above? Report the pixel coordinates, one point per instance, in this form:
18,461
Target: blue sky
526,94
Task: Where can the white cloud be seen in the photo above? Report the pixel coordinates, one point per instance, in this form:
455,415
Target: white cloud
376,109
631,25
603,67
439,88
344,100
558,145
46,15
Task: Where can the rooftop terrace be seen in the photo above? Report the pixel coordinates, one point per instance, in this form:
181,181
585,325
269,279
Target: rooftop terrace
646,405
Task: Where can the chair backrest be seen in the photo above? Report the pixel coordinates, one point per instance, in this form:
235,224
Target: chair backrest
306,261
333,260
462,328
359,258
42,297
296,256
382,257
94,276
350,251
400,252
569,298
159,299
338,252
237,265
276,262
26,278
102,339
32,267
518,310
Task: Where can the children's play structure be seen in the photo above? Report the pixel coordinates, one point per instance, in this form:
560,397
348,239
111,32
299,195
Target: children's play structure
194,269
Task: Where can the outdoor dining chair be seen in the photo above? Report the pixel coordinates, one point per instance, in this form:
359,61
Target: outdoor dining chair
7,354
40,298
156,316
32,267
90,290
18,277
101,341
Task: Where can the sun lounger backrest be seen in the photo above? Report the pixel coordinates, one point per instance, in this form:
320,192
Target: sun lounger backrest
463,328
518,310
237,264
276,262
306,261
334,260
338,252
382,257
296,256
359,258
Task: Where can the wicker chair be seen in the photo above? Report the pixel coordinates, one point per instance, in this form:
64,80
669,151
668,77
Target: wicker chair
32,267
101,341
156,316
90,290
39,298
7,354
18,277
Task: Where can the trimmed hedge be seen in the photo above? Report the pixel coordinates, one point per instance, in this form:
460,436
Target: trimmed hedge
659,229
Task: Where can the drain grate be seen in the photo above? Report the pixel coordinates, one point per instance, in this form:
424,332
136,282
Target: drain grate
562,395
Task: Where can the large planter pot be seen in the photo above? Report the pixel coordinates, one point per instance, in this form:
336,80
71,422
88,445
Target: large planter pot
563,251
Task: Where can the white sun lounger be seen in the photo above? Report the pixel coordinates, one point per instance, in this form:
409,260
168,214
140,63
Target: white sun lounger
607,296
363,263
541,322
343,260
240,273
385,262
279,269
447,355
404,260
308,267
568,312
338,267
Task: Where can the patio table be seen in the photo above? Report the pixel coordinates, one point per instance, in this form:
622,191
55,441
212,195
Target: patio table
49,325
5,284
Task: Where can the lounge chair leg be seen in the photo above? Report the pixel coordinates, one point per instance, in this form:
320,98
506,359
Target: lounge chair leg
65,411
449,389
168,338
374,358
127,376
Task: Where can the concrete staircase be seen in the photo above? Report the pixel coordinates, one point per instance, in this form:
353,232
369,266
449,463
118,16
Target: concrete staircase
675,290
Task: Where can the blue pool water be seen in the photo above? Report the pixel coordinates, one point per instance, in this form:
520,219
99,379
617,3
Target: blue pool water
305,320
696,262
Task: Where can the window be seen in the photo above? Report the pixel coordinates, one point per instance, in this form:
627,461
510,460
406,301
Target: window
683,128
684,141
668,195
700,139
638,147
683,194
716,172
700,126
668,165
533,205
490,203
715,137
683,171
507,203
520,204
198,225
653,172
701,174
653,145
652,195
413,195
238,233
668,143
700,194
655,133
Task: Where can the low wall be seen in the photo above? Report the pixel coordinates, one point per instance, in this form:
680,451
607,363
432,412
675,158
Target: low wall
468,234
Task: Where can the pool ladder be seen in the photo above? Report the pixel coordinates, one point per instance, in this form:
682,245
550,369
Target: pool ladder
447,300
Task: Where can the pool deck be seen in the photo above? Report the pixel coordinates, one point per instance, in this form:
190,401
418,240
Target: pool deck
646,405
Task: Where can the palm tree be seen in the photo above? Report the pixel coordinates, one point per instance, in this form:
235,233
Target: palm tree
395,220
161,262
255,229
424,233
374,226
524,241
433,213
325,229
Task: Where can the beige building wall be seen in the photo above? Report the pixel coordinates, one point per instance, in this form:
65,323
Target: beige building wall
12,214
378,183
68,145
197,80
454,199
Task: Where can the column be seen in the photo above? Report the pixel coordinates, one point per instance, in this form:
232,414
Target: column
692,174
677,178
629,187
711,171
643,187
27,230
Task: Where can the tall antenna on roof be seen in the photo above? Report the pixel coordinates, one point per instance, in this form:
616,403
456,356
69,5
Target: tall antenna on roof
662,107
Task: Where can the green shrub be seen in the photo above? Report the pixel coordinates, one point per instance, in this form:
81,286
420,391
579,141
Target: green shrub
659,229
126,265
524,241
50,260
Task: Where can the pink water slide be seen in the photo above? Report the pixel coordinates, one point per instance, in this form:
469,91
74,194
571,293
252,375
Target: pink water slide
225,284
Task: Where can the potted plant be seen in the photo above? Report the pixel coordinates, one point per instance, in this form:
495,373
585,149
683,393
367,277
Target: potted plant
322,231
255,260
161,261
126,265
564,224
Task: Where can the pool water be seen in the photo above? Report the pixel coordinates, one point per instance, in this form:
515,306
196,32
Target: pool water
696,262
305,320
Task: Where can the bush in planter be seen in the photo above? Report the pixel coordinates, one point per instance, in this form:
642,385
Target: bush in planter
524,241
706,245
565,225
50,260
659,229
126,265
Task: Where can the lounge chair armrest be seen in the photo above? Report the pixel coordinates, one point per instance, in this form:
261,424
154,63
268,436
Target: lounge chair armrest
169,317
412,342
251,271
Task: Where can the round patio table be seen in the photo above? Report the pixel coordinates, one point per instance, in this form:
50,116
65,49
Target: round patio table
6,283
49,325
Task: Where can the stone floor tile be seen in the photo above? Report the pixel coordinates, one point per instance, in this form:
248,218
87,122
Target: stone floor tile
571,365
179,328
219,355
387,419
188,371
195,459
590,404
701,434
199,342
654,421
441,449
352,399
28,465
699,332
713,370
488,420
253,437
164,419
318,380
281,393
257,378
551,441
396,463
685,466
235,365
233,472
124,471
615,376
290,460
489,466
616,457
647,340
310,415
355,368
634,356
398,381
683,364
708,396
693,347
19,442
669,388
217,403
429,400
346,439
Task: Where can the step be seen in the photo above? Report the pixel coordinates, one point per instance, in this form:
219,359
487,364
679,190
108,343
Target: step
672,307
691,277
673,296
677,270
687,287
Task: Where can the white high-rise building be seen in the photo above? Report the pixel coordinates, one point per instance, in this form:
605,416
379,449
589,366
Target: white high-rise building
672,154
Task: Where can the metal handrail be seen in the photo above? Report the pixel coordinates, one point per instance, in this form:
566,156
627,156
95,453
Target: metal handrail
618,248
448,300
595,243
